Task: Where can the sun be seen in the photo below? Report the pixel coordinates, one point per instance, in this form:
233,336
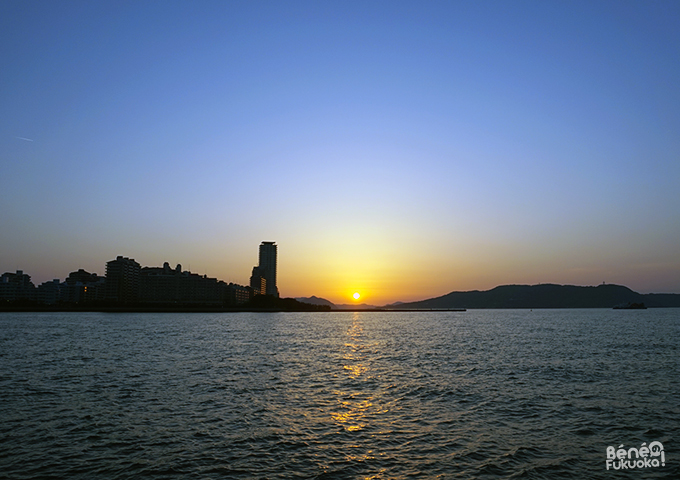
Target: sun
356,295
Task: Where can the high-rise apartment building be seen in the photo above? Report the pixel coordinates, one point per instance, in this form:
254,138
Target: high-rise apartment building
122,280
263,279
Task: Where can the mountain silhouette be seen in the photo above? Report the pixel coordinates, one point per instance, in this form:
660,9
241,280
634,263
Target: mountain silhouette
547,296
315,301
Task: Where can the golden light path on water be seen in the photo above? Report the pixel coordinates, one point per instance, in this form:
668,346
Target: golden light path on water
360,403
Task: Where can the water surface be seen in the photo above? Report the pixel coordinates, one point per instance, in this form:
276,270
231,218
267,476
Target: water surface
476,395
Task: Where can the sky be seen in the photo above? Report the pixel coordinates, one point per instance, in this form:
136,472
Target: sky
402,150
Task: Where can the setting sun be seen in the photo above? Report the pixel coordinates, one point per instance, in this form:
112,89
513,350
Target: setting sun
356,295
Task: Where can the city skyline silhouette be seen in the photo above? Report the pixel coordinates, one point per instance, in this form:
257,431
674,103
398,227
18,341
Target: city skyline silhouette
128,285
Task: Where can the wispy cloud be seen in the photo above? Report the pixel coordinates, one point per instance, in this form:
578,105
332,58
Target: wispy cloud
27,139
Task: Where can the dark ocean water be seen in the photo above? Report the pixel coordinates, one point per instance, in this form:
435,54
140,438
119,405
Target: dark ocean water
474,395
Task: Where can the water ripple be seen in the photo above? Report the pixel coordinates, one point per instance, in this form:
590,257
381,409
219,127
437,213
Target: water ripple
473,395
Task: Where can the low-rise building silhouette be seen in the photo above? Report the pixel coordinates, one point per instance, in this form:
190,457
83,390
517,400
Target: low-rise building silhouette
258,282
238,294
164,285
50,293
83,287
17,287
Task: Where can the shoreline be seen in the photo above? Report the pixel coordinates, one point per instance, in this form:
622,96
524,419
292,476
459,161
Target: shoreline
209,309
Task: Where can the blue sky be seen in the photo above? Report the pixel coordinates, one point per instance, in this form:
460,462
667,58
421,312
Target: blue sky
400,149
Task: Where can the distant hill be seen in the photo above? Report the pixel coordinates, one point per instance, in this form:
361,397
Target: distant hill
315,301
343,306
547,296
272,303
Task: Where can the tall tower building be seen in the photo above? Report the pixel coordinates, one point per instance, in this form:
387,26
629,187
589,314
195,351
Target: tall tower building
263,279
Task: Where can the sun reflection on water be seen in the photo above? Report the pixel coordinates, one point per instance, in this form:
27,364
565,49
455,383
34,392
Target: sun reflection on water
354,405
355,370
352,416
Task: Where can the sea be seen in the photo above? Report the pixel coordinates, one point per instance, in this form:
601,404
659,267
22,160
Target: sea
481,394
